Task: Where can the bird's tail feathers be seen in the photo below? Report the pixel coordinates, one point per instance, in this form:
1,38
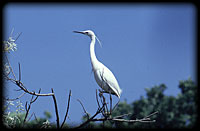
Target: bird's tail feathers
120,92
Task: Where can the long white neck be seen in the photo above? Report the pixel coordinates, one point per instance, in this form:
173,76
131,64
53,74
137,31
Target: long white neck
94,60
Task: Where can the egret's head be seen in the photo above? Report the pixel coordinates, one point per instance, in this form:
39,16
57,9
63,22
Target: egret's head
90,34
87,32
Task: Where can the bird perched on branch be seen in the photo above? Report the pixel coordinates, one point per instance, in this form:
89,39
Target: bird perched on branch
103,76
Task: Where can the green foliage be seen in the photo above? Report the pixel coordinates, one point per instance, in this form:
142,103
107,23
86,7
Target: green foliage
174,111
15,119
47,114
187,102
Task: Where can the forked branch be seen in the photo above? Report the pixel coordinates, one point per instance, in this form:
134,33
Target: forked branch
107,115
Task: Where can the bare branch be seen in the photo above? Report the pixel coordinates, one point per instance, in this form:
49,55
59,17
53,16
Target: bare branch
86,122
35,116
107,115
29,107
20,84
16,98
18,36
19,72
35,97
102,107
152,114
27,111
56,108
122,115
67,109
116,105
84,109
143,120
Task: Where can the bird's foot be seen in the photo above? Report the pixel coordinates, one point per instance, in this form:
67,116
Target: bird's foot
100,93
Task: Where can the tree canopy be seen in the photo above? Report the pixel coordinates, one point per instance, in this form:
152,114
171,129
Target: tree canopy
174,111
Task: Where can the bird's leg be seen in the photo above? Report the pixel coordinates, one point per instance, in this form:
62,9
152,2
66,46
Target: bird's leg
110,103
102,98
100,93
106,108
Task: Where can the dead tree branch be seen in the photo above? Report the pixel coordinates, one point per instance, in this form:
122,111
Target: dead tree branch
70,94
102,105
88,116
91,118
143,120
56,108
12,78
107,115
29,107
20,84
7,99
33,93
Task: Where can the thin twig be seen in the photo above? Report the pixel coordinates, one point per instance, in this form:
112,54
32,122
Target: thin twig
27,111
35,116
86,122
115,105
67,109
152,114
29,107
19,72
143,120
18,36
107,115
36,96
122,115
84,109
56,108
30,117
124,120
16,98
21,85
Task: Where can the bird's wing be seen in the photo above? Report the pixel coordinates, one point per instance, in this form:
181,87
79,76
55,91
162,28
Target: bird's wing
110,79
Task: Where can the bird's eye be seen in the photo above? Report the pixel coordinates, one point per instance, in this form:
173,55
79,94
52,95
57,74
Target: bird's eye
86,33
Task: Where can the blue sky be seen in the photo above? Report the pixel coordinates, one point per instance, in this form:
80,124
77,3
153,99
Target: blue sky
143,45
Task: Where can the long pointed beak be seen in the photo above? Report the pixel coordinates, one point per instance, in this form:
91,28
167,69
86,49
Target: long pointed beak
79,32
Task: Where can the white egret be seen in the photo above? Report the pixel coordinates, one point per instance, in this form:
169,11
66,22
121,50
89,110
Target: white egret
103,76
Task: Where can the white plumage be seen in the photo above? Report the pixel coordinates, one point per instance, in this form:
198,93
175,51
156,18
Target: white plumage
103,76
